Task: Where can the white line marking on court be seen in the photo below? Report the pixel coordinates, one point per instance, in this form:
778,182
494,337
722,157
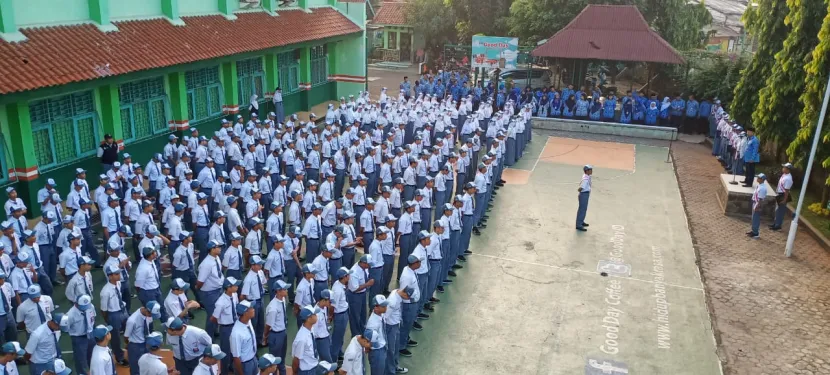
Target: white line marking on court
582,271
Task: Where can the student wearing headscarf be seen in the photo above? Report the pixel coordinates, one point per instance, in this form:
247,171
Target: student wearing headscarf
569,107
664,111
581,110
609,108
652,113
595,111
254,106
627,111
555,105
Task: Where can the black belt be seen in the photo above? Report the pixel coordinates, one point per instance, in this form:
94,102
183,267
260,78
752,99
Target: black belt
206,226
226,325
435,260
357,292
342,312
272,331
320,281
360,205
380,267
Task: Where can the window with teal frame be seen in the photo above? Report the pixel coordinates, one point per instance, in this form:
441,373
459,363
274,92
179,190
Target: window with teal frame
319,65
288,64
64,128
204,94
251,78
144,108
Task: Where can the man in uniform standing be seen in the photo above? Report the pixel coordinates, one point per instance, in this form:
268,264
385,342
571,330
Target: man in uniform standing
785,183
584,193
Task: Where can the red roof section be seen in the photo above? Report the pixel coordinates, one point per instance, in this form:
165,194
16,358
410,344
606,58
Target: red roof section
63,54
391,13
609,32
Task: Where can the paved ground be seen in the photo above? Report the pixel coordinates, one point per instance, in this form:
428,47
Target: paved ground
770,311
531,299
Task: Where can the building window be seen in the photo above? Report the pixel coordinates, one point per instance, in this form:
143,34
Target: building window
3,168
392,40
204,94
288,64
143,108
64,128
251,77
319,65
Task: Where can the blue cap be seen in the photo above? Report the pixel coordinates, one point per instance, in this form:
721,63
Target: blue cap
366,258
268,360
215,352
325,294
379,300
179,207
324,367
761,176
155,309
174,323
22,257
153,340
84,302
281,285
148,250
33,291
342,272
101,331
194,184
179,284
12,347
409,290
231,281
412,259
212,244
308,311
243,307
587,167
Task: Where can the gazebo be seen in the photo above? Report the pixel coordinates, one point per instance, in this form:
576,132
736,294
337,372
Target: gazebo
607,33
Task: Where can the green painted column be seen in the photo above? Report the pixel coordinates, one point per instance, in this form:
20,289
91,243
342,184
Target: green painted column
397,40
271,75
111,112
303,4
305,77
333,2
332,57
270,6
170,8
385,39
7,23
230,87
24,158
178,102
226,8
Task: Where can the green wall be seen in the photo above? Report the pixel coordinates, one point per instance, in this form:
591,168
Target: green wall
121,9
198,7
49,12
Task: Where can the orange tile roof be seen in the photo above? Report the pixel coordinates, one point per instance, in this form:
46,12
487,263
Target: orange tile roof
59,55
391,13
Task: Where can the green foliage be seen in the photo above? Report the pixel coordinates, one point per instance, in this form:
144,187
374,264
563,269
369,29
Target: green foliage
778,106
814,85
435,19
715,75
765,23
488,17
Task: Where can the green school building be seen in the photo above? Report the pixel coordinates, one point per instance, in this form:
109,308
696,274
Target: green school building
74,70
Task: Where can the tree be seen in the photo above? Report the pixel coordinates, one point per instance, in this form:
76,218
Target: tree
434,18
715,74
814,83
679,22
488,17
534,20
778,106
765,23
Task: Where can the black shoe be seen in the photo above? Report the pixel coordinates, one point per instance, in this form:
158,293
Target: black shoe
340,358
402,370
124,363
485,217
428,307
440,289
476,232
748,233
411,343
481,226
405,353
774,228
467,252
462,258
434,300
584,224
495,193
423,316
455,267
502,182
417,326
581,229
745,185
447,281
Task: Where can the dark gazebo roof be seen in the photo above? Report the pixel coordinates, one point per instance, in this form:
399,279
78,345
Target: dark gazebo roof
609,32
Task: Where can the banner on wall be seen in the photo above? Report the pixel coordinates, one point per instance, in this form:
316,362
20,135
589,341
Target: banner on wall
490,52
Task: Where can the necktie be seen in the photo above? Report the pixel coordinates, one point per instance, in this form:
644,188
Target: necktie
37,258
40,313
86,286
253,339
155,273
28,280
146,327
212,180
49,234
117,292
233,307
218,268
86,216
5,302
181,304
86,324
211,370
189,257
207,215
311,293
57,348
112,363
117,218
181,347
19,225
259,284
319,228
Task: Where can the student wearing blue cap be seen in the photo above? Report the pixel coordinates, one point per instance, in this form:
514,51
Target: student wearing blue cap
276,323
81,283
114,309
758,197
224,315
37,265
320,330
378,354
150,362
176,303
353,356
148,278
409,311
210,282
407,235
392,319
210,361
305,291
42,350
243,343
9,352
253,290
184,262
187,343
232,259
304,350
137,331
584,193
81,321
8,328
